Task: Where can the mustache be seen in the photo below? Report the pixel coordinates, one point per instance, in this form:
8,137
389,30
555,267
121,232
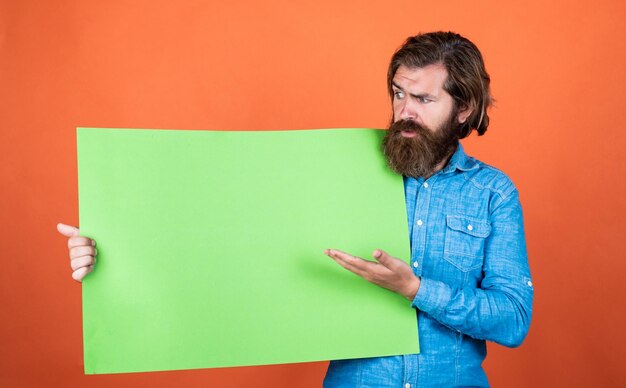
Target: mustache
409,126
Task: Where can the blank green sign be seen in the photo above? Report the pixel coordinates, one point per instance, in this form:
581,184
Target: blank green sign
210,248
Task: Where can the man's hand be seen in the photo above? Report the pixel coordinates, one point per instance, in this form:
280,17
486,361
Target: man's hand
82,251
390,273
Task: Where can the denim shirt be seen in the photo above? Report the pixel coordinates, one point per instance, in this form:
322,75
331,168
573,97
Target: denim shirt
468,248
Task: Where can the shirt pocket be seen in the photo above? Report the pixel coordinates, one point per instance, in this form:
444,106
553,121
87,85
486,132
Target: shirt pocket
465,241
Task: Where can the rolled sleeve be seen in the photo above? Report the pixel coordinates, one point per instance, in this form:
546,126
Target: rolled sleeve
432,297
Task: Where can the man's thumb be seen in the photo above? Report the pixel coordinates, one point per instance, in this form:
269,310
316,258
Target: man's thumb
67,230
382,257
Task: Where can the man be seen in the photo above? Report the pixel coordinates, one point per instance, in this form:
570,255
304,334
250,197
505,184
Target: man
469,279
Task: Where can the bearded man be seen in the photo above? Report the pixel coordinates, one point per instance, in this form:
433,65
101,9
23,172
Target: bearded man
469,279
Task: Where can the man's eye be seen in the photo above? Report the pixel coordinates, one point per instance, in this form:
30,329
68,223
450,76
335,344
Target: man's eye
398,94
423,100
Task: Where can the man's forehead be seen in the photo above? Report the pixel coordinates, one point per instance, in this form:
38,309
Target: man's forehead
431,77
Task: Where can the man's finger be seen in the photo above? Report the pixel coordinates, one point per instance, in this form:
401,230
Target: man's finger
67,230
80,273
356,262
78,241
348,266
80,251
339,254
364,268
384,258
83,261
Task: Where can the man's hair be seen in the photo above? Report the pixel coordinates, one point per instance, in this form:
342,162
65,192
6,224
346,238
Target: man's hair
467,82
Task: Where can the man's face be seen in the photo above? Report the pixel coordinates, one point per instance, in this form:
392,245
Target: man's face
419,96
425,121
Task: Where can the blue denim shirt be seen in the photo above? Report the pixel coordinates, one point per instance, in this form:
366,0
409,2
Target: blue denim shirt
468,248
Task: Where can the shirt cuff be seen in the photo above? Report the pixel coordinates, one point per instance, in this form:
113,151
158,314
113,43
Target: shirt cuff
432,297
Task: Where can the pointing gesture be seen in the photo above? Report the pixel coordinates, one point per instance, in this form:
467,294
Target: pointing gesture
390,273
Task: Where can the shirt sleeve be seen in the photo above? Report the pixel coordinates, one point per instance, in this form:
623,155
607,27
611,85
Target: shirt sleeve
500,309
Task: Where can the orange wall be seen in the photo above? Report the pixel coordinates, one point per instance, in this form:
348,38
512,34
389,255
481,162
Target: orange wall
558,75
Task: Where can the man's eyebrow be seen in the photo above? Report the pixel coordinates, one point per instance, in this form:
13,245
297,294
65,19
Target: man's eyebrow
422,95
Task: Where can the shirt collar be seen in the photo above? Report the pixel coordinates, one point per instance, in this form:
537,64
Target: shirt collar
461,161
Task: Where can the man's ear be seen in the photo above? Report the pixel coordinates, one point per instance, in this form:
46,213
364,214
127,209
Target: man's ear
464,114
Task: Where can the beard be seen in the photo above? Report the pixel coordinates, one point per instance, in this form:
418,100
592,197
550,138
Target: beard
418,156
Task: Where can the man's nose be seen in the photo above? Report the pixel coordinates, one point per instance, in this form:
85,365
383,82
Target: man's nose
407,111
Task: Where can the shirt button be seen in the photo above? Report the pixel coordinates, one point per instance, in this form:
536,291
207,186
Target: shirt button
470,227
419,222
407,385
426,184
415,264
530,284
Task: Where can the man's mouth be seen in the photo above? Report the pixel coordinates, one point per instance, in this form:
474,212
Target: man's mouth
408,133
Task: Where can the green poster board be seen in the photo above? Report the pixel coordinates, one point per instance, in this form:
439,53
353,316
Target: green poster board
210,248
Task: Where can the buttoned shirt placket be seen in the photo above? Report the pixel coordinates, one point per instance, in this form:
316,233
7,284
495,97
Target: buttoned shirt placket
419,224
418,202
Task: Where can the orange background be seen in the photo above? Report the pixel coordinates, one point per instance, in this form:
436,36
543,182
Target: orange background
558,77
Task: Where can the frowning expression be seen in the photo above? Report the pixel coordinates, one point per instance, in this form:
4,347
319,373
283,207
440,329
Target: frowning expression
419,95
